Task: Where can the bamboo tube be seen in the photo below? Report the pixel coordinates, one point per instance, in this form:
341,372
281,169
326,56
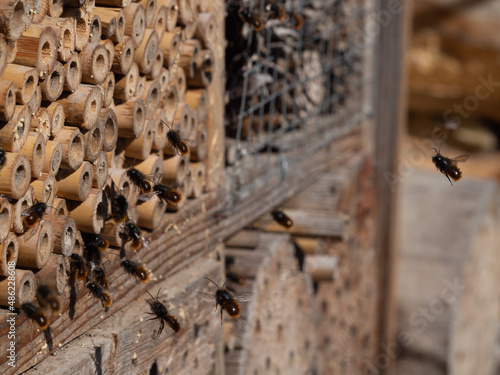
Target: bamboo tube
90,215
11,51
75,185
198,151
125,87
9,251
198,180
19,207
83,106
36,102
131,117
95,29
141,83
73,147
7,100
37,47
157,67
40,9
160,21
135,22
164,79
206,30
60,207
110,48
45,189
108,89
15,17
186,12
169,45
34,150
100,171
111,232
108,119
150,11
146,50
24,78
72,73
53,157
198,100
151,213
161,130
152,96
170,103
15,132
53,85
79,244
65,29
122,182
55,8
95,63
15,175
140,147
25,287
35,246
5,218
172,14
93,142
64,233
123,57
108,18
116,3
174,170
82,26
182,124
115,157
40,123
203,72
54,274
178,80
57,118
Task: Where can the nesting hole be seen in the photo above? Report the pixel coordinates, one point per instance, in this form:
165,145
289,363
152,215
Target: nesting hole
67,39
55,162
72,71
29,86
26,288
11,250
46,50
206,68
268,363
139,115
101,212
324,306
195,364
181,171
100,66
44,246
20,176
60,271
96,28
85,182
19,19
280,332
4,215
291,355
68,235
125,188
154,369
258,327
154,96
170,103
159,25
120,26
127,61
109,130
95,140
76,149
10,101
139,27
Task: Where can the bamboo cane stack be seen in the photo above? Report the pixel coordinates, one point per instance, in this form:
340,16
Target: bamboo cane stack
88,89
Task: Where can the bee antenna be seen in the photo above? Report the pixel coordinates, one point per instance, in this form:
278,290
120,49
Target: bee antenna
223,285
147,291
441,145
212,282
437,152
157,294
168,124
125,160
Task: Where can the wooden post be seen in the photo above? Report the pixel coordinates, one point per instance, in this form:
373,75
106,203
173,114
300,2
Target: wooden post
64,233
15,175
73,147
53,157
65,29
72,73
131,117
24,78
135,22
53,84
82,107
13,135
35,246
123,57
75,185
94,139
90,215
95,63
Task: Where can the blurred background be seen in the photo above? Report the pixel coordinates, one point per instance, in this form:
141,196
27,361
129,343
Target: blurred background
448,236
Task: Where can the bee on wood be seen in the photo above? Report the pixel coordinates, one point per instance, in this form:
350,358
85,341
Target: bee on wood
119,205
47,298
140,273
448,166
281,218
96,240
99,277
132,233
225,300
77,267
160,312
138,179
34,214
167,194
99,293
3,158
249,17
275,11
35,314
176,141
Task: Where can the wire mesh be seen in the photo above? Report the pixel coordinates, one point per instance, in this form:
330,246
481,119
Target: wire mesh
292,90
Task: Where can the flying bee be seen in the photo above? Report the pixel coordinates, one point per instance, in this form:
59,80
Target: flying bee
99,277
132,233
448,166
275,11
281,218
138,179
47,298
77,266
35,314
98,292
119,207
34,214
167,194
140,273
176,141
249,17
96,240
160,312
225,300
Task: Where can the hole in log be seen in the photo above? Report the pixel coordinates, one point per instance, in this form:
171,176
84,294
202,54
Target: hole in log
60,270
68,235
206,68
101,212
20,177
26,288
154,369
257,326
9,254
139,115
324,306
100,65
38,152
120,25
291,354
85,182
170,103
268,363
18,20
67,39
127,57
46,51
195,365
76,148
109,130
29,86
44,246
56,160
95,28
95,137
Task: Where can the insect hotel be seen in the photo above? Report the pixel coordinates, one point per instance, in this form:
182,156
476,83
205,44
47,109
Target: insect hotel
163,159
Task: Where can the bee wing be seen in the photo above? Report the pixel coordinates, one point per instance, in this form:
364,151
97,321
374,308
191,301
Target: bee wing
461,159
25,213
145,197
190,142
209,297
145,243
243,297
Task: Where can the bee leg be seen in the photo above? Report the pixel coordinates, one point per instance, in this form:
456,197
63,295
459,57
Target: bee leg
448,177
221,316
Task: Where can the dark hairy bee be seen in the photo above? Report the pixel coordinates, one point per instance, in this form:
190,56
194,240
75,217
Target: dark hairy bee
98,292
140,274
176,141
138,179
95,240
132,233
35,314
448,166
226,301
281,218
167,194
249,17
77,266
48,298
160,312
99,277
3,158
34,214
275,11
119,207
